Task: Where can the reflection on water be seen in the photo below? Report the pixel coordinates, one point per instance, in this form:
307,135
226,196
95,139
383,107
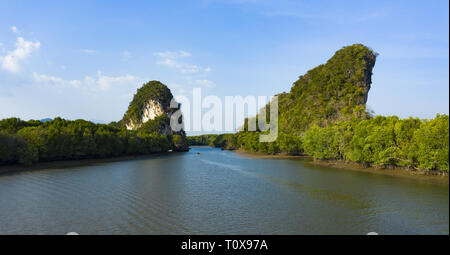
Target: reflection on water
217,192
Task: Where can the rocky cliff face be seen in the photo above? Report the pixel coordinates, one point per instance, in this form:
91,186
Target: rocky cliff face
150,112
334,91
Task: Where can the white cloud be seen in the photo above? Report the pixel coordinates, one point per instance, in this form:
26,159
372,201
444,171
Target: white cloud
178,89
11,61
182,67
171,59
205,83
15,30
100,82
53,80
169,63
63,67
105,82
173,54
188,68
184,53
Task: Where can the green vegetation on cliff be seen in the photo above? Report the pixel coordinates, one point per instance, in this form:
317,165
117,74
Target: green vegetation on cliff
331,92
325,116
152,90
26,142
149,112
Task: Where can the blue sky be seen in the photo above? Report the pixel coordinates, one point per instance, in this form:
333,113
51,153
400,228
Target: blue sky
85,59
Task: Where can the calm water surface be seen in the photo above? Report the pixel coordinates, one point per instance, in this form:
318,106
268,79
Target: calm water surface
218,192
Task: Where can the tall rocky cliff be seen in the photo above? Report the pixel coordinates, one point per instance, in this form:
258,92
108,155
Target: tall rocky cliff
334,91
150,111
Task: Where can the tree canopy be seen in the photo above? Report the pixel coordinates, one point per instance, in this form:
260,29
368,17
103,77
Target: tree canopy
152,90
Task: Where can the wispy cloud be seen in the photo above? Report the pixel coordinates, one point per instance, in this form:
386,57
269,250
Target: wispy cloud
15,30
182,67
178,89
105,82
205,83
99,82
172,59
11,61
53,80
173,54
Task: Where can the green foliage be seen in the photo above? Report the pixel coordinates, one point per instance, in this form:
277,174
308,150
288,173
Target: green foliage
380,141
153,90
431,144
156,125
201,140
288,144
335,91
13,148
223,140
61,139
160,93
12,125
26,142
384,141
321,143
228,141
325,116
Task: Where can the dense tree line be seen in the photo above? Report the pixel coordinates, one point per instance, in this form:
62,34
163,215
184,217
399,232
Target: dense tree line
26,142
249,141
201,140
378,141
384,141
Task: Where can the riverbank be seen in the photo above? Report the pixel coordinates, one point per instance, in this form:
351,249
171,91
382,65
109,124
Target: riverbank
438,177
5,169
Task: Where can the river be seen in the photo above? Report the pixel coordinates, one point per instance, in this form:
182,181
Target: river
218,192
